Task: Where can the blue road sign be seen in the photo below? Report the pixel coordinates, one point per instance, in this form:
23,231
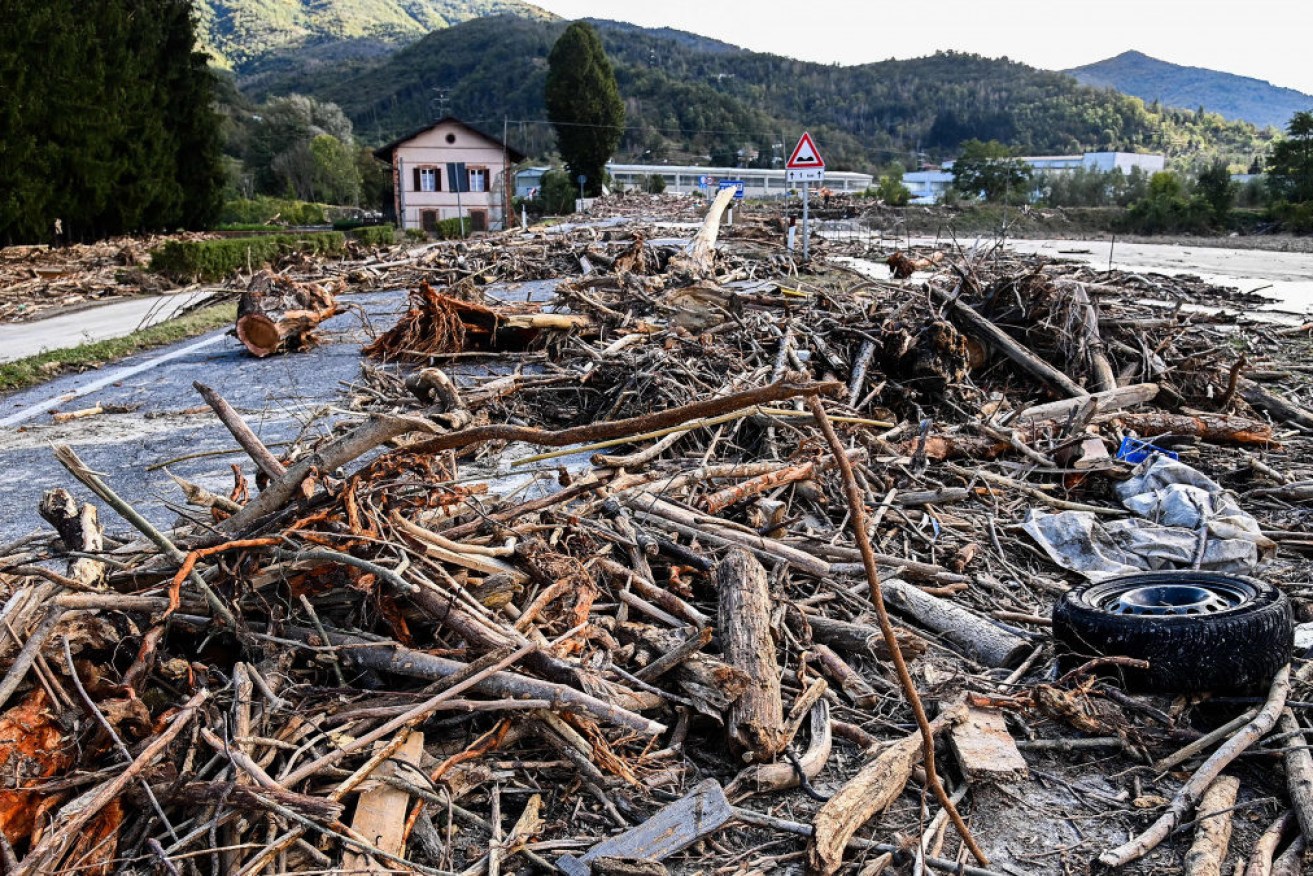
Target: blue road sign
736,184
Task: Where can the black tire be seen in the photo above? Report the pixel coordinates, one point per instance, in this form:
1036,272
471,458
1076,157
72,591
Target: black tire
1200,631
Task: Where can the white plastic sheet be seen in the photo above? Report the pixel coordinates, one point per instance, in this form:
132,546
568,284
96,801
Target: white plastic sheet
1179,510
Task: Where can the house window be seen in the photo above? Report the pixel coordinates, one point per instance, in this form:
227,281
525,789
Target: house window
427,179
478,179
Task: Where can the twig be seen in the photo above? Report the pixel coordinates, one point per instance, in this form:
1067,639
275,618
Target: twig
857,522
31,648
76,467
253,446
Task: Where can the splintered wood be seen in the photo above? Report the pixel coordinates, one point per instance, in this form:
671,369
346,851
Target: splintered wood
576,582
984,748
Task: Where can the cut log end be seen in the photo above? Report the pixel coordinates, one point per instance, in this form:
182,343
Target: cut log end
258,333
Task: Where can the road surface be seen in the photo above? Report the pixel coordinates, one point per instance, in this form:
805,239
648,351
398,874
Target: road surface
101,323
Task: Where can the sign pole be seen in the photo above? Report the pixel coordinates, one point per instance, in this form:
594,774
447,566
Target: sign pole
806,234
805,166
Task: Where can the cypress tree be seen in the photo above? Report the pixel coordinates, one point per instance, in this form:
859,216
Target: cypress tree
583,103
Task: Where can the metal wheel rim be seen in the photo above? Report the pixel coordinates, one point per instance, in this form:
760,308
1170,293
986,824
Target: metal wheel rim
1147,598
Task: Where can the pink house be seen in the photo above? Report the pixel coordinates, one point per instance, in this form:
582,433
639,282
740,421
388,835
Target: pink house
450,169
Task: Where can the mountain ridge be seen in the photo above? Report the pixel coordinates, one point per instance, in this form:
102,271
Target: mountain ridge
691,98
1230,95
241,34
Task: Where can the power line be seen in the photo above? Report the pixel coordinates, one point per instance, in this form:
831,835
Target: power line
769,135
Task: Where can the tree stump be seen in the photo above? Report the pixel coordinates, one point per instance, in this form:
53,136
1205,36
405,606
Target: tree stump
277,314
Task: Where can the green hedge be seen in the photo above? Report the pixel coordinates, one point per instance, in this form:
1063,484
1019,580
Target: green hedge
216,259
375,235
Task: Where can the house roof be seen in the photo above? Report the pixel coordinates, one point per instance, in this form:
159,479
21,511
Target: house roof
385,152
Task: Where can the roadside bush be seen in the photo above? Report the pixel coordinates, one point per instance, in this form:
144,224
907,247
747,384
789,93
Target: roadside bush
557,194
1166,209
375,235
1294,218
264,210
890,189
216,259
416,234
449,229
654,183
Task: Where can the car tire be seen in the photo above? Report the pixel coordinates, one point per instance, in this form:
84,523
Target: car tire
1199,631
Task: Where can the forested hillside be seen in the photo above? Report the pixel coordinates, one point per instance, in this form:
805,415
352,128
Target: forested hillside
250,35
688,97
1235,97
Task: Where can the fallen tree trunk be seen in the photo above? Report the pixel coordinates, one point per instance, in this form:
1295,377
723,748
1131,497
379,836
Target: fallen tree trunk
1109,401
698,262
1275,405
277,314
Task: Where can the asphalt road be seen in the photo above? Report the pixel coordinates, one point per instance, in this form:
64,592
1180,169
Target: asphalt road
102,323
276,395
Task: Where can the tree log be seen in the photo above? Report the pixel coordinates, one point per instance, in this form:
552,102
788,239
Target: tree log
276,313
1108,402
755,721
980,639
1299,772
1275,405
698,262
80,530
1212,833
854,638
1260,857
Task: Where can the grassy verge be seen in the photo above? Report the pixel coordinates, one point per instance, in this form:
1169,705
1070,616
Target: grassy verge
33,370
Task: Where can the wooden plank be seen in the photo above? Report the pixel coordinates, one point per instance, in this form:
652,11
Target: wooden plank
699,813
985,749
381,812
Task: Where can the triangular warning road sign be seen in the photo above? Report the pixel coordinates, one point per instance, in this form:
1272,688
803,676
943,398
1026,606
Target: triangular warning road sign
805,155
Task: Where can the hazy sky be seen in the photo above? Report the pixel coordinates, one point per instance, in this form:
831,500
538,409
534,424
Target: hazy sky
1266,39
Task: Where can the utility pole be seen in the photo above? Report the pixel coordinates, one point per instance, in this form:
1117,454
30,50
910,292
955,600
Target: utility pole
508,181
439,102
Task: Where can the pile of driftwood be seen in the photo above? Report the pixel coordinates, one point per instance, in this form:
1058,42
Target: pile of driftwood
36,280
724,555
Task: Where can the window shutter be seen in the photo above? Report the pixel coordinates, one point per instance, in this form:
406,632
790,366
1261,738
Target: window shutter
456,175
437,179
416,173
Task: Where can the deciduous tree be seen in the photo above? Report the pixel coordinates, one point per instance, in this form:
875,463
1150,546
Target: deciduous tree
988,170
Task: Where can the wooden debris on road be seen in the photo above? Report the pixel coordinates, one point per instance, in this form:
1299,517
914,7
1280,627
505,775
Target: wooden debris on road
568,559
